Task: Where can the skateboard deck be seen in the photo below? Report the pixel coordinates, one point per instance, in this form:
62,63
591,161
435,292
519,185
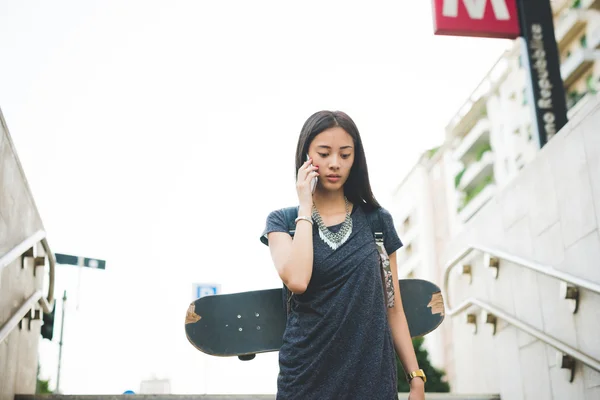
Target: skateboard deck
247,323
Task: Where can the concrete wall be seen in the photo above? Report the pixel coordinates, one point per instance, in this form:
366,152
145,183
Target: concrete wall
549,213
19,219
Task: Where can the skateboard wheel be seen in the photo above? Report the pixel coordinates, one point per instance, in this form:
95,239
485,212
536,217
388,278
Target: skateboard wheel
247,357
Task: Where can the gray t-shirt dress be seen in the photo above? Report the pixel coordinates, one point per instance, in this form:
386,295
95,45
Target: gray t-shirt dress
337,342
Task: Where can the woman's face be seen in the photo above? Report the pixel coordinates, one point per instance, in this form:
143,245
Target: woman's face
333,152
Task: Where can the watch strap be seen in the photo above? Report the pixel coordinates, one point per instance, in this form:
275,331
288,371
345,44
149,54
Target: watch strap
417,374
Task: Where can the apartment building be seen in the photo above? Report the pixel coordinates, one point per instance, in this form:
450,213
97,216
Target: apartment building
421,214
577,31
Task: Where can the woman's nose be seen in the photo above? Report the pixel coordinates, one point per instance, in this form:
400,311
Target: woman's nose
334,163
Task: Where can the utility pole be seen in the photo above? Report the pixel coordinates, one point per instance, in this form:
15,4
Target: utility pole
60,343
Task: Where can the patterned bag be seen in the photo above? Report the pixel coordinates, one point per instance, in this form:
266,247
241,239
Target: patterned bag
386,274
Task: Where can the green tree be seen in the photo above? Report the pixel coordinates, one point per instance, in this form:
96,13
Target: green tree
435,376
42,386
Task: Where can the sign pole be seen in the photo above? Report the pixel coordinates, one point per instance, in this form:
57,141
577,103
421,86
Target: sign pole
60,343
545,89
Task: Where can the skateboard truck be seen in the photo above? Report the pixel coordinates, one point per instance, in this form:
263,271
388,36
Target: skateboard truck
247,357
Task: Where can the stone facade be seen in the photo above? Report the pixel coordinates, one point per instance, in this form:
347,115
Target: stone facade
19,219
550,213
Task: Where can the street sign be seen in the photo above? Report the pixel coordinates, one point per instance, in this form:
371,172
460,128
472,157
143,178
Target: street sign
479,18
546,90
204,289
80,261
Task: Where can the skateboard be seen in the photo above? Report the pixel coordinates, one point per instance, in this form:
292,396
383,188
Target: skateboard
245,324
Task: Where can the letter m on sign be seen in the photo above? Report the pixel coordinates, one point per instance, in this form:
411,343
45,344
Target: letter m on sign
480,18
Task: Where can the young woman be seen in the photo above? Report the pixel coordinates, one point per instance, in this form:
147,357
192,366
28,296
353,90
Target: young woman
340,337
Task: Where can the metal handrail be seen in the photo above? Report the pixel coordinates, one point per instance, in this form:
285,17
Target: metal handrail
540,268
20,314
557,344
46,302
543,269
20,249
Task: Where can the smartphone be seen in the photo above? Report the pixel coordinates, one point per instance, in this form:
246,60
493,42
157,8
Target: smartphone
313,183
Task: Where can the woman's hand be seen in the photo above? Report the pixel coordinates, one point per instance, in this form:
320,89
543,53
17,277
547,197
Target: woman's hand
305,174
417,389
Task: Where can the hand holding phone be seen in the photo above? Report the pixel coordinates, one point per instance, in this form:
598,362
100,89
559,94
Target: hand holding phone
306,181
313,182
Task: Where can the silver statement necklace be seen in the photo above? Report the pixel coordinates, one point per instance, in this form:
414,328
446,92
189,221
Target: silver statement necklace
334,240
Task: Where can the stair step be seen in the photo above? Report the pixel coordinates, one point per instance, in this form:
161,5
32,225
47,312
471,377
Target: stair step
429,396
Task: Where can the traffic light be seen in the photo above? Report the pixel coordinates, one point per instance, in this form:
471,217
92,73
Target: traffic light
48,327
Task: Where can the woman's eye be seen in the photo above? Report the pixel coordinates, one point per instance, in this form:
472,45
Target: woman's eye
344,156
323,155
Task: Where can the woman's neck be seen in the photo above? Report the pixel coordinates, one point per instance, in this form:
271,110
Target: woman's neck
329,202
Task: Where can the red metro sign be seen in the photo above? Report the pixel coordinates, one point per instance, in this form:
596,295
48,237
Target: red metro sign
480,18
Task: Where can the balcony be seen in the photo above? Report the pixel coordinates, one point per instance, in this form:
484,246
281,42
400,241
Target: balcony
593,4
559,5
478,136
576,103
472,206
477,172
577,63
475,107
568,25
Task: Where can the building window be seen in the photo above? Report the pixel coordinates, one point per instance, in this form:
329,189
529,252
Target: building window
437,173
576,4
529,133
583,41
567,55
524,97
590,84
519,162
572,98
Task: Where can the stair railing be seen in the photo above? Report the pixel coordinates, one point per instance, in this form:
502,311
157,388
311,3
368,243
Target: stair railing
571,287
46,303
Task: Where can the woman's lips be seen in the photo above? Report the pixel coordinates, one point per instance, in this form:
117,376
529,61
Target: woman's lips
333,178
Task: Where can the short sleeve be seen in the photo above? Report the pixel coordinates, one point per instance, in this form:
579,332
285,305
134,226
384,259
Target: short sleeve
276,222
391,241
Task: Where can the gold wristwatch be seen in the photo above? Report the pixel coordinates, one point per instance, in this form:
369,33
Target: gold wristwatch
418,373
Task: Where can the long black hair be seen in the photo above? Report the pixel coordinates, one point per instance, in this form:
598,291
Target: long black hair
357,188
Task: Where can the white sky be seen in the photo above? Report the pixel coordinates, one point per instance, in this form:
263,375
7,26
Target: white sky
159,134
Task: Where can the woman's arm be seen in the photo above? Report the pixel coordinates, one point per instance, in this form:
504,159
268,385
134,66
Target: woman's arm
401,334
293,259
